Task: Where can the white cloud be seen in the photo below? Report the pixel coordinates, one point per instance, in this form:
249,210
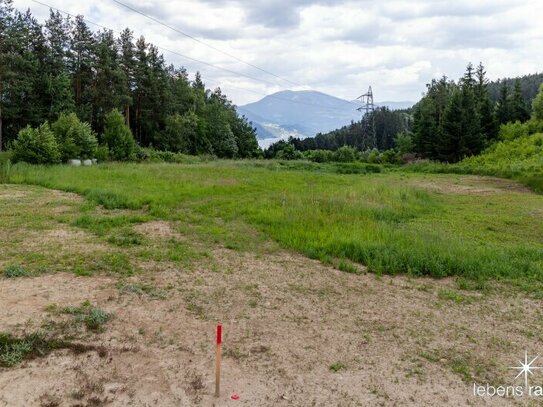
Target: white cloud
338,47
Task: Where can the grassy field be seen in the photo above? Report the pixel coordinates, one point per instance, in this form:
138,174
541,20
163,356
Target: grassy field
391,222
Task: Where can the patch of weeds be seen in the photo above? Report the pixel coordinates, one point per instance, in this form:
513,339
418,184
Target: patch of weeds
126,237
141,289
14,271
430,356
13,350
336,367
92,317
82,271
461,367
348,267
471,284
117,263
455,296
180,252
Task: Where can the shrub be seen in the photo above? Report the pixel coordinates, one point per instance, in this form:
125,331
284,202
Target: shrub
13,271
404,143
75,139
390,157
36,146
512,131
102,153
319,156
345,154
289,152
118,137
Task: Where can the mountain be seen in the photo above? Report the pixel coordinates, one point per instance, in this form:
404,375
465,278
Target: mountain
302,114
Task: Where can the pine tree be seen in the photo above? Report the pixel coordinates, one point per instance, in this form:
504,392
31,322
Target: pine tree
81,67
461,135
118,137
109,89
6,72
429,116
519,110
57,33
503,109
487,117
127,63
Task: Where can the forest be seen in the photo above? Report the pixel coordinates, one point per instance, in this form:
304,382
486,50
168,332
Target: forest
62,67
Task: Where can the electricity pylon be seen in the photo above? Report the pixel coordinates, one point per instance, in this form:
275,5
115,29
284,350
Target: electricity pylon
368,118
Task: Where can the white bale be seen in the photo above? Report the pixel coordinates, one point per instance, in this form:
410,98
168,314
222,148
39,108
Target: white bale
74,163
94,161
87,163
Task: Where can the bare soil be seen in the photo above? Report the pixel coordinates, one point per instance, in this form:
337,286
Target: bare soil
297,333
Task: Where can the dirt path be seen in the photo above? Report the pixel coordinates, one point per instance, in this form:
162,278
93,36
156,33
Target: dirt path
297,333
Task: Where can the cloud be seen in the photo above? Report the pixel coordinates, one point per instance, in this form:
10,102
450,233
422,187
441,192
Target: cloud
335,46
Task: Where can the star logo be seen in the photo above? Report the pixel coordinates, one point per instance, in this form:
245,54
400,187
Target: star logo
526,368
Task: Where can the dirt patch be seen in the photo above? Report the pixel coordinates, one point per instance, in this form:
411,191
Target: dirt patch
8,192
157,229
472,185
65,238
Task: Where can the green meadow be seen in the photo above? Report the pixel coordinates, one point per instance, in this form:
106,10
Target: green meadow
392,222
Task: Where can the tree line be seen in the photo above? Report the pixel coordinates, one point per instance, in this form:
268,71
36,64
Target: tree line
63,67
377,130
455,120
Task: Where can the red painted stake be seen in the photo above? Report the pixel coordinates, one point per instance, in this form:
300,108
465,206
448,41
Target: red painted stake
218,361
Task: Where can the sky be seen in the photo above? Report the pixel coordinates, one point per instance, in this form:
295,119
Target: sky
333,46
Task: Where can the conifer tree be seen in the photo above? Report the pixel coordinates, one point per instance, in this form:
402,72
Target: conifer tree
503,108
519,110
487,117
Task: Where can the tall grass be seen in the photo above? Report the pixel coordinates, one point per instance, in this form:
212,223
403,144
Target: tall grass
384,220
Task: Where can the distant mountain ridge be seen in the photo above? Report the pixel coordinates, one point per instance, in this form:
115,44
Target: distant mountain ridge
303,114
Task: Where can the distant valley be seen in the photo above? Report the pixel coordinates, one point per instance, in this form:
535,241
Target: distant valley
302,114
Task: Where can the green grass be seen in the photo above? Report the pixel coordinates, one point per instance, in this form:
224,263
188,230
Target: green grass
382,220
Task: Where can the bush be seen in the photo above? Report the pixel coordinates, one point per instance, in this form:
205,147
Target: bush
404,143
102,153
512,131
118,137
75,139
319,156
36,146
345,154
289,152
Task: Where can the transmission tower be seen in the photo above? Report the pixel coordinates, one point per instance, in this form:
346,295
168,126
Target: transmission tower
368,118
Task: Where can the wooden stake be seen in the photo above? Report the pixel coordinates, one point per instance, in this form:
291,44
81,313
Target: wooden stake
218,362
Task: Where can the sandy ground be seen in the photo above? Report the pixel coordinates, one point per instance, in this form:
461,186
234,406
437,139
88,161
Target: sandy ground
287,320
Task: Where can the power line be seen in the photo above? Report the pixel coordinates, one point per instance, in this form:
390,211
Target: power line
207,64
206,44
211,46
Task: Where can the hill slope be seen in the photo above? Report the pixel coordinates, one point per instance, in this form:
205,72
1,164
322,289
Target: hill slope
303,113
